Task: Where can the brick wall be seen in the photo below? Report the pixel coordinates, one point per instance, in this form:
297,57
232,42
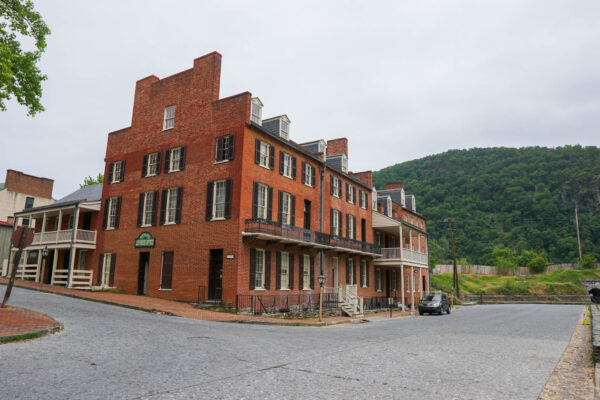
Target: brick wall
337,146
17,181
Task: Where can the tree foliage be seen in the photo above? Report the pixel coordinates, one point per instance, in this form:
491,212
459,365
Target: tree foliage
88,180
518,199
19,74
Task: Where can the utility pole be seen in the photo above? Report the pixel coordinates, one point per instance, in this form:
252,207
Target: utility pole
578,237
455,271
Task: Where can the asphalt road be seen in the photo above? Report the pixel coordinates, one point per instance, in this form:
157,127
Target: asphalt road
107,352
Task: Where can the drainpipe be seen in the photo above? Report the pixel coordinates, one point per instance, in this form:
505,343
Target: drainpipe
321,273
71,255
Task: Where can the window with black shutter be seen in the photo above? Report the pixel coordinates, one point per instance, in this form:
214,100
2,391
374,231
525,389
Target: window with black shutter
111,275
252,277
225,148
267,269
179,205
209,200
166,279
312,272
313,177
228,195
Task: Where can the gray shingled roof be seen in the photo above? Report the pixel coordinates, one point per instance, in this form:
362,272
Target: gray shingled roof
87,193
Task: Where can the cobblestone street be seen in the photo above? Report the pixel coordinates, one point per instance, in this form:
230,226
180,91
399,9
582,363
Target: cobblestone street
483,352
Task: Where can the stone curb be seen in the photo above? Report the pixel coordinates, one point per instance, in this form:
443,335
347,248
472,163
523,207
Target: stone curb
42,332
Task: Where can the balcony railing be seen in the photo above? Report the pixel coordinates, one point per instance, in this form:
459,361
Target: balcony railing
64,236
307,236
394,253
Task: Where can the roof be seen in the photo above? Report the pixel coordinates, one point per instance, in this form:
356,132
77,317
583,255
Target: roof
3,223
86,193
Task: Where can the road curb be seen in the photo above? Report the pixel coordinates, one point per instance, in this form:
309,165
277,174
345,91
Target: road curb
37,334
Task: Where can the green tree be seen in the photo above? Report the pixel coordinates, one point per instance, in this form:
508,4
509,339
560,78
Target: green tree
19,74
88,180
588,261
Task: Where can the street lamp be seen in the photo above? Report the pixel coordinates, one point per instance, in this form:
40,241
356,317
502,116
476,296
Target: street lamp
45,252
321,283
321,280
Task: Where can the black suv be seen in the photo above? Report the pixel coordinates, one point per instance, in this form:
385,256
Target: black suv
437,303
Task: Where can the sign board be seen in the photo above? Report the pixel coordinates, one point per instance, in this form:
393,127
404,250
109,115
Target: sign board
145,240
16,236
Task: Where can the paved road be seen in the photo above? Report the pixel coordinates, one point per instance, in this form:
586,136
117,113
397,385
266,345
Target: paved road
107,352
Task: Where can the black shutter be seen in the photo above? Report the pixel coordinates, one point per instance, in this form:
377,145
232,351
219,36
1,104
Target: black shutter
163,206
141,209
167,161
354,227
209,200
270,204
105,216
257,152
293,211
154,207
252,268
281,162
368,277
219,156
301,272
332,189
291,271
348,226
312,272
354,194
332,215
254,200
228,193
110,172
280,207
166,280
179,205
347,191
267,269
99,277
294,168
340,189
159,163
278,270
271,157
231,147
182,158
111,275
118,212
313,177
303,172
145,166
122,175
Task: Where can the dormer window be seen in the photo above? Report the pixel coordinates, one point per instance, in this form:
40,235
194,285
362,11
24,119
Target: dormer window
169,118
344,163
389,206
284,128
256,111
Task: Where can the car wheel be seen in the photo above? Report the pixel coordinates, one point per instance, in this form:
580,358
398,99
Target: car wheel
421,313
448,310
441,310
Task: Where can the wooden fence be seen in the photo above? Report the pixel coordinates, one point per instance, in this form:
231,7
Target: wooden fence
490,270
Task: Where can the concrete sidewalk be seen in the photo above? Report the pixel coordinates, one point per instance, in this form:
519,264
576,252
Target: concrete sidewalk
186,310
19,323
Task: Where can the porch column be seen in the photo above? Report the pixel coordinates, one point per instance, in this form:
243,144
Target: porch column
59,224
402,283
401,245
73,248
38,272
419,242
43,224
412,292
420,283
410,246
54,261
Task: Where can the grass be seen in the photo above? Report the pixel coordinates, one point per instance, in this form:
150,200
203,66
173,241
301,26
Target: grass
18,338
557,282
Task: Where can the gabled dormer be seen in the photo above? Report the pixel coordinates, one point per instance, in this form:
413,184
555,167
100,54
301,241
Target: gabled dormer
256,107
279,126
339,161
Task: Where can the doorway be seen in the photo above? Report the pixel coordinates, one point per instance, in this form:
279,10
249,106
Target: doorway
215,275
143,273
49,265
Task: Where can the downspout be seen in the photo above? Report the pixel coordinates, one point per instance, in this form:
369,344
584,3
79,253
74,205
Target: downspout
323,168
71,255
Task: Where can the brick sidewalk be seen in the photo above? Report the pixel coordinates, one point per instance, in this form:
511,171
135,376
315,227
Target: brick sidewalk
16,321
178,308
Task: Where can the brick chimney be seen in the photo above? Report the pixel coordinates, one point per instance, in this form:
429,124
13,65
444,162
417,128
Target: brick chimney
337,146
394,185
18,182
365,177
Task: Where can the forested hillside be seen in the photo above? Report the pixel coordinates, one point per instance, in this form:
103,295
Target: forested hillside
522,199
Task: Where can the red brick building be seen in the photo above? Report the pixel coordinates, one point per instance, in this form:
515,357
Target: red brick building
204,198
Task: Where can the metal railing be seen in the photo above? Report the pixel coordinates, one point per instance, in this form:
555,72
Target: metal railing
305,235
274,303
404,254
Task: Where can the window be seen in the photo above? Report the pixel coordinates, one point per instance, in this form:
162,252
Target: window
306,272
378,238
414,283
148,208
264,154
82,259
336,187
256,111
350,226
116,171
336,222
171,207
259,275
364,274
350,193
225,148
219,200
364,200
378,280
28,202
285,271
113,212
344,163
407,280
285,129
175,159
286,164
25,221
389,206
166,275
285,204
169,118
32,257
261,209
71,220
106,269
350,271
153,164
308,175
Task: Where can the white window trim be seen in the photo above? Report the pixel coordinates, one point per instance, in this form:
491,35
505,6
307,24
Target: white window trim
112,206
366,273
214,210
144,210
171,160
170,208
106,270
308,175
351,198
337,182
256,105
336,218
266,156
165,119
286,212
263,267
115,176
306,272
266,198
287,173
285,256
156,164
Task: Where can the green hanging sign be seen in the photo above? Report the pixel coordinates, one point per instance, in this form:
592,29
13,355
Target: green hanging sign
144,240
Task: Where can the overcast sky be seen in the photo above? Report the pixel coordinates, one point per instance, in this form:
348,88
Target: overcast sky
399,79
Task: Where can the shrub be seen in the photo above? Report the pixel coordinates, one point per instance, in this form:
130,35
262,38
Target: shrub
538,264
588,261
